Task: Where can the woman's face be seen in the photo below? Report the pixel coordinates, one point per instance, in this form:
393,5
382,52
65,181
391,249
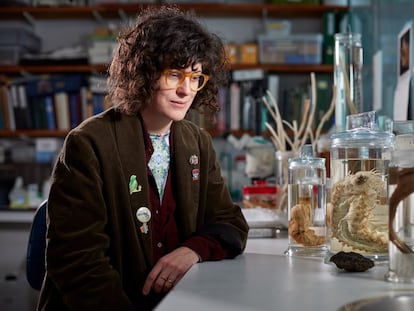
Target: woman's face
170,103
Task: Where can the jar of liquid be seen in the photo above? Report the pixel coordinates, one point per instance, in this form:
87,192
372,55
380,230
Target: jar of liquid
307,205
348,63
401,202
357,214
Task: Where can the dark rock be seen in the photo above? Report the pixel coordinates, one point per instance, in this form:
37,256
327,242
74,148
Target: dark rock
352,262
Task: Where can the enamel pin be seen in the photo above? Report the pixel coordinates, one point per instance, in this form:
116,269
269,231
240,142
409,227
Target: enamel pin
193,160
195,173
133,185
144,215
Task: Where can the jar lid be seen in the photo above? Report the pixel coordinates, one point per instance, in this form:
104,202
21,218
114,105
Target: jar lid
362,137
362,131
307,159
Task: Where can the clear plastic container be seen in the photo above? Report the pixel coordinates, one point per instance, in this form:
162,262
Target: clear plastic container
307,205
357,214
291,49
260,195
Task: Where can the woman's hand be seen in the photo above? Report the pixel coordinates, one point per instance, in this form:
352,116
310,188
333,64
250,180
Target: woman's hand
169,270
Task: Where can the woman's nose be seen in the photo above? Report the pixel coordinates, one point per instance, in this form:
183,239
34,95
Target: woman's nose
185,86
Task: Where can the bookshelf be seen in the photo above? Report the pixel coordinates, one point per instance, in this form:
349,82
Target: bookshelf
201,9
103,13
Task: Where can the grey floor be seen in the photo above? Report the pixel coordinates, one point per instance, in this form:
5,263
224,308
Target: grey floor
15,292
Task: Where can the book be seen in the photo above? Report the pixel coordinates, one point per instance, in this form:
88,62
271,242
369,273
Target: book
273,86
10,109
20,106
61,101
97,103
75,109
85,103
4,106
222,124
234,106
50,112
329,30
38,112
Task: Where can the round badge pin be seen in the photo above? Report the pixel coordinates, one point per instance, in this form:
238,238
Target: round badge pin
193,160
143,214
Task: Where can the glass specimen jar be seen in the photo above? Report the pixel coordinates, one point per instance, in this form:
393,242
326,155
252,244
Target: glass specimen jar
357,214
401,204
348,62
307,205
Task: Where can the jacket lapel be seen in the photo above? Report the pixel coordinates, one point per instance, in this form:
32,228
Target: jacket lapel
131,148
187,165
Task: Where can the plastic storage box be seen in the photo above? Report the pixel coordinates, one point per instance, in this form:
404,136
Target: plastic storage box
14,42
260,195
292,49
15,36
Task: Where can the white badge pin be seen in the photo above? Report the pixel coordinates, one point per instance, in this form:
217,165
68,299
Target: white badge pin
144,215
193,160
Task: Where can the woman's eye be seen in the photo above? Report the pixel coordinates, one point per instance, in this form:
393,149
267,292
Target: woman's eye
175,75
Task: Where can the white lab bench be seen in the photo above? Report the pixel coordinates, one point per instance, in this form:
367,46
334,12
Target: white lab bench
263,278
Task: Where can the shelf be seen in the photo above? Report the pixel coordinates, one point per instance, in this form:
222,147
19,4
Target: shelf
9,216
62,134
122,11
6,69
43,69
32,133
202,9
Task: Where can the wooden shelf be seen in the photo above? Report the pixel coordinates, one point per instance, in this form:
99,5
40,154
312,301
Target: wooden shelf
201,9
31,13
32,133
58,133
44,69
5,69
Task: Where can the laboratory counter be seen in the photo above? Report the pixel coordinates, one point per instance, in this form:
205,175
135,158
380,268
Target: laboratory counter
263,278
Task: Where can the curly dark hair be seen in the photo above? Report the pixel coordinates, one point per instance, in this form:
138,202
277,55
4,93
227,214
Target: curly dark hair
164,37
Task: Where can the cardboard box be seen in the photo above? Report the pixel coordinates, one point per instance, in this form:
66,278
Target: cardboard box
231,51
248,53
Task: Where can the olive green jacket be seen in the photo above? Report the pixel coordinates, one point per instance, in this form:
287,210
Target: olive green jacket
97,259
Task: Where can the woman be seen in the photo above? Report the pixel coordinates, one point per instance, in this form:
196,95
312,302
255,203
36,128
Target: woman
137,196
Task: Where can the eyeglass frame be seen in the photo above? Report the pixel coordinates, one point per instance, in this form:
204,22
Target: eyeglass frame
166,73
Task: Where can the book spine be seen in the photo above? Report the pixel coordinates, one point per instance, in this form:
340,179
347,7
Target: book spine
234,106
329,19
62,110
50,113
